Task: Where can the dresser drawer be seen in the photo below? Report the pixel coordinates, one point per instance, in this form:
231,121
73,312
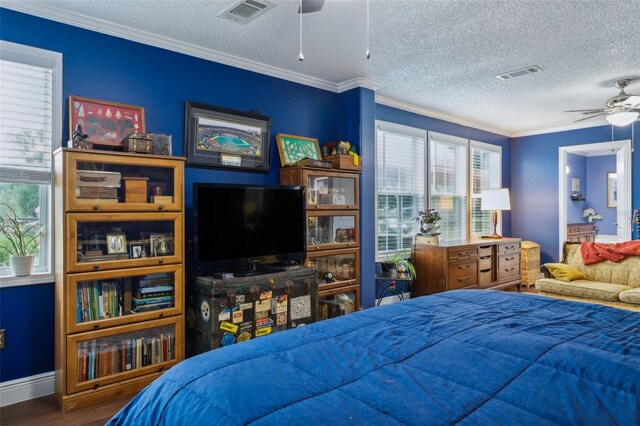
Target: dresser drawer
507,248
463,275
463,253
486,250
508,266
485,263
484,277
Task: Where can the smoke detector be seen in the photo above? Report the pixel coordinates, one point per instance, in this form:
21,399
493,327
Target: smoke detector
246,10
519,73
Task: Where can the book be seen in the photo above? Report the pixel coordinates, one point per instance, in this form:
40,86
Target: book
139,295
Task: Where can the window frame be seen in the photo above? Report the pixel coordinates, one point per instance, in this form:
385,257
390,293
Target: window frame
381,125
486,147
45,272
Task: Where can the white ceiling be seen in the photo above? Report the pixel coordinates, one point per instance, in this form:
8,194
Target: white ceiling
441,55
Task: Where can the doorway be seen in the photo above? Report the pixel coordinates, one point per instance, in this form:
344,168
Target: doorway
611,192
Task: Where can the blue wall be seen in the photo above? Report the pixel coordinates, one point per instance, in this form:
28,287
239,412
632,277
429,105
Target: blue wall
577,170
394,115
104,67
597,169
534,182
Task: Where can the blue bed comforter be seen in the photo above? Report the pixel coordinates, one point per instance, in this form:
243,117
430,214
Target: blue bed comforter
470,357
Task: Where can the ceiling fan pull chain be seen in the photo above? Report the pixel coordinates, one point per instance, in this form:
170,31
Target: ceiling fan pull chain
368,52
300,55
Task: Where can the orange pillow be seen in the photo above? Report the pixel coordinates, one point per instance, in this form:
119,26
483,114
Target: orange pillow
564,272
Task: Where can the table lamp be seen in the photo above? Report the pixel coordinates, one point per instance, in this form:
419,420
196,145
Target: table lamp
495,199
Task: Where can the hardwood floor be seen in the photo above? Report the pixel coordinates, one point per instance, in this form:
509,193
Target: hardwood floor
45,411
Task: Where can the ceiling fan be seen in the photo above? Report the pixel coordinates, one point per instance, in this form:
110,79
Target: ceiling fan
622,109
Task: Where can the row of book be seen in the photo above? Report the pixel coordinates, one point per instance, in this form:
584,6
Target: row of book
154,291
104,359
98,300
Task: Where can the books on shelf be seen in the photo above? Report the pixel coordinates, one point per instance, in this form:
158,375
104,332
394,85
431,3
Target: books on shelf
154,291
97,300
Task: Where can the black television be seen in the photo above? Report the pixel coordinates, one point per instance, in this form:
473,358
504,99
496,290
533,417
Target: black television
247,229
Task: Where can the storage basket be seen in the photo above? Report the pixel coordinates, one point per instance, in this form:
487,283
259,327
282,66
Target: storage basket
530,258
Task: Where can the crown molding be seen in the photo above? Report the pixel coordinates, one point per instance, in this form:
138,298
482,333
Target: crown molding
75,19
573,126
357,82
406,106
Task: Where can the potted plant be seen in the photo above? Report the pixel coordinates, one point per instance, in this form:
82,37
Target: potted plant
429,224
636,220
592,216
399,266
20,240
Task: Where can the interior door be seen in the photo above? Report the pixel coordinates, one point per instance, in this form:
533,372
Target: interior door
623,219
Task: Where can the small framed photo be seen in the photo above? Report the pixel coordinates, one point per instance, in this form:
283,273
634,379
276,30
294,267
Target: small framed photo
136,251
116,243
295,148
612,190
161,244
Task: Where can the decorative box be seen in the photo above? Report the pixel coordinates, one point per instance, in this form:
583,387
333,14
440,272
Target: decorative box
162,199
161,144
97,192
344,162
135,189
97,179
138,142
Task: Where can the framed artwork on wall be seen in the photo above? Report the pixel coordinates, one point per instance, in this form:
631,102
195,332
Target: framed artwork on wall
295,148
224,138
104,123
612,190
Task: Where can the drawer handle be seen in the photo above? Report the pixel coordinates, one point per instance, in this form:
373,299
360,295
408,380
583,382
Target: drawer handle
317,247
509,259
96,385
96,326
96,267
485,258
485,272
317,206
161,368
95,207
485,247
509,269
160,207
161,261
463,279
463,253
461,267
161,314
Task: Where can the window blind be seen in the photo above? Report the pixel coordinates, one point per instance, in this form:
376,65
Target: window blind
486,173
401,187
26,122
448,165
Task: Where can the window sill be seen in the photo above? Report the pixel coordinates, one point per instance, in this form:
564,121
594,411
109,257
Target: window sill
11,281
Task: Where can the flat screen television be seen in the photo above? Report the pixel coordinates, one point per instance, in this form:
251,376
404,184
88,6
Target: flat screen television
239,226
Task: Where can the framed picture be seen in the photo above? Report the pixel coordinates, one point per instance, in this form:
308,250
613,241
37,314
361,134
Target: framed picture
136,251
161,244
105,123
612,190
116,243
295,148
224,138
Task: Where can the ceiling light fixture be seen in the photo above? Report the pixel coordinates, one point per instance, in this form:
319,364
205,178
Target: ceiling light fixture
300,55
623,117
368,52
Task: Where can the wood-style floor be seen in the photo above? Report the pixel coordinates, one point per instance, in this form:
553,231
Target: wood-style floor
45,411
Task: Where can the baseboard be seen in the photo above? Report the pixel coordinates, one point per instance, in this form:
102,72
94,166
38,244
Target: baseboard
26,388
394,299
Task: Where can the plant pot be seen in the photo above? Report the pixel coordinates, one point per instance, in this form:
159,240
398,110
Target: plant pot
21,265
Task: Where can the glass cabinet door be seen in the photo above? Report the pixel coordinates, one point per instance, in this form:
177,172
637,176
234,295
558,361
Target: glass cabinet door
115,354
335,268
106,182
121,240
109,298
338,302
331,230
332,191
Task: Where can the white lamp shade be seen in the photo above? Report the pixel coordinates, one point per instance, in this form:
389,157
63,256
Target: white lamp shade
623,117
495,199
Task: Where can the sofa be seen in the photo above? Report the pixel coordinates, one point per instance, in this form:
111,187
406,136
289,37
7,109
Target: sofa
607,283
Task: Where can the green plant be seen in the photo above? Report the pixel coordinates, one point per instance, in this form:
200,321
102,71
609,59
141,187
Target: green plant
20,239
429,221
399,259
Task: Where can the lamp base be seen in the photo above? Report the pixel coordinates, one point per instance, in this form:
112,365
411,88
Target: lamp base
495,227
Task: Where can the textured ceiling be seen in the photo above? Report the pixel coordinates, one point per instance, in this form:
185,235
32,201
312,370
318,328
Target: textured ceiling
441,55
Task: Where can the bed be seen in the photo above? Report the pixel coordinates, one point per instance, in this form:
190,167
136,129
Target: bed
468,357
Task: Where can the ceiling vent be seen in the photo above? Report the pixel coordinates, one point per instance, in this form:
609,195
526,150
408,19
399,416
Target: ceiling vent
519,73
246,10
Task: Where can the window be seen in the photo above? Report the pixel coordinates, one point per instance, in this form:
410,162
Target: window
30,128
401,187
486,173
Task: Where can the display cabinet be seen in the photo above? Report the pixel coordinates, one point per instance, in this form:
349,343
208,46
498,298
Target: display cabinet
333,234
119,251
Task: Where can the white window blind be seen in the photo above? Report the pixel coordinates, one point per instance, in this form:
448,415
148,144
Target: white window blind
486,173
448,165
401,187
30,128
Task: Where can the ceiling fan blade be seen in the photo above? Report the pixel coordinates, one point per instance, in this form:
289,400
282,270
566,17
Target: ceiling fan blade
633,101
310,6
587,111
592,116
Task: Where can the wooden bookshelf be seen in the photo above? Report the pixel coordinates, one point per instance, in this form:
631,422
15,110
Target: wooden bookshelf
119,292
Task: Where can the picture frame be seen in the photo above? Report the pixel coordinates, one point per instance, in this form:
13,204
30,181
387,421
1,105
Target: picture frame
105,123
294,148
161,245
136,251
612,190
116,243
223,138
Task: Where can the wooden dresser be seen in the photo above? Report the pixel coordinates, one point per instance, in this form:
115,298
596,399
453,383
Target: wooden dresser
581,232
455,265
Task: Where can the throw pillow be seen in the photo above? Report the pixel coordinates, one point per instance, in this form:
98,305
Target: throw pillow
564,272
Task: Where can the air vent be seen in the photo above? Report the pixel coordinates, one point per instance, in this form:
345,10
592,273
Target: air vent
519,73
246,11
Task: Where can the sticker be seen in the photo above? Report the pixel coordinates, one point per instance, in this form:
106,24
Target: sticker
263,305
224,315
240,299
279,304
264,322
300,307
244,336
246,326
244,306
227,326
281,319
237,317
266,294
263,331
263,314
228,339
204,310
